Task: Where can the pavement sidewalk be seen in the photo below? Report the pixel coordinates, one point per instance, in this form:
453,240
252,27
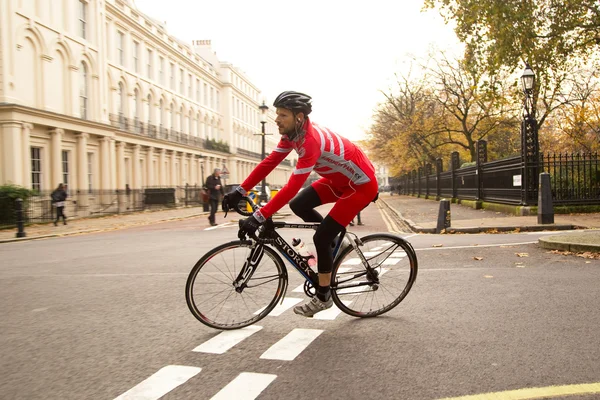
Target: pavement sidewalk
421,216
101,224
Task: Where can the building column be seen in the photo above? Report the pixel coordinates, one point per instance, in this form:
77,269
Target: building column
26,154
82,166
150,178
105,163
137,176
172,170
121,166
11,146
182,169
162,168
113,164
56,157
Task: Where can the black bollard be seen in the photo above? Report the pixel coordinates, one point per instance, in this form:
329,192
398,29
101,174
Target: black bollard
443,221
545,207
19,212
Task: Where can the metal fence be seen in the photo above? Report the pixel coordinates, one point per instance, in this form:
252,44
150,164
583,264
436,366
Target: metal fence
575,179
85,203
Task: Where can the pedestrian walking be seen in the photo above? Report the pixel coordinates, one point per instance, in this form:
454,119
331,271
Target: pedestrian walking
215,192
59,197
359,220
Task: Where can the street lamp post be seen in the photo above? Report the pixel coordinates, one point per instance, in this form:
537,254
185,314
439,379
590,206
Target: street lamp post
263,120
529,139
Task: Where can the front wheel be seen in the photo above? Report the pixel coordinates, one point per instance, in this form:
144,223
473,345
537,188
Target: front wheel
212,295
367,292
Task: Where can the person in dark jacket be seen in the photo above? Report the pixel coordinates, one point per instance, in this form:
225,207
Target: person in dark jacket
215,191
59,196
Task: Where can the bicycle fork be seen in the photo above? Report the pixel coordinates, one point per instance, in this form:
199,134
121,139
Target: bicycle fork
248,269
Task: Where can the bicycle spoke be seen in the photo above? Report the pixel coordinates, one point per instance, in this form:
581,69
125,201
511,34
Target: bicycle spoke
225,307
393,281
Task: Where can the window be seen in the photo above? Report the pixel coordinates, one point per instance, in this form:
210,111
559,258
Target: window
172,116
36,168
83,91
65,167
137,108
190,81
90,159
136,56
149,64
161,116
217,98
121,99
83,18
205,94
212,97
121,47
181,120
181,75
172,77
198,90
161,67
149,110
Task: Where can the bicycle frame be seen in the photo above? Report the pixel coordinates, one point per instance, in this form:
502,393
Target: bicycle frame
269,236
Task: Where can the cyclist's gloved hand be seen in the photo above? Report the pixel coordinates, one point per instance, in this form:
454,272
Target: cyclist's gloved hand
248,227
231,199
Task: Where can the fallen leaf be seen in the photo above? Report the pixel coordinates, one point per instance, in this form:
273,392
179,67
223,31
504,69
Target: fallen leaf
522,254
488,276
437,245
588,262
478,258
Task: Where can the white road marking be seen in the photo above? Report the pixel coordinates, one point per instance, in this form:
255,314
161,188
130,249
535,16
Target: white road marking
352,261
226,340
246,386
471,247
160,383
300,289
280,308
291,345
548,233
360,289
223,225
331,313
377,248
391,261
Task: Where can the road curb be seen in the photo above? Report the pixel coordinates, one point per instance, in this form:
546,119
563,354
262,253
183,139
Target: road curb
553,244
84,231
482,229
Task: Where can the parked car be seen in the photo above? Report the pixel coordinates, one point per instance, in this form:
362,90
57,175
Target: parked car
258,189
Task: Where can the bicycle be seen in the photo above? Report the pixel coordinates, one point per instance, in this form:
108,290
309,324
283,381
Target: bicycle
249,293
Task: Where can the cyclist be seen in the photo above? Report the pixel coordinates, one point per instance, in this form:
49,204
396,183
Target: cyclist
348,180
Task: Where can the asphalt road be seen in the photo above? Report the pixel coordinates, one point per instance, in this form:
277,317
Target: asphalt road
101,315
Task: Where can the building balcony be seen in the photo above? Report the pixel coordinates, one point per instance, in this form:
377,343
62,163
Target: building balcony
138,127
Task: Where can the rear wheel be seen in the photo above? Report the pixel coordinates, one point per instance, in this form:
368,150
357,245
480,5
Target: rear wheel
212,296
368,292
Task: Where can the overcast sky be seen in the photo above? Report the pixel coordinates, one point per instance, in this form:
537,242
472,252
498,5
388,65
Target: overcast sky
341,53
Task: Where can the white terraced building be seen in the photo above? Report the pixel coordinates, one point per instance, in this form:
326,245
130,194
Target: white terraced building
95,94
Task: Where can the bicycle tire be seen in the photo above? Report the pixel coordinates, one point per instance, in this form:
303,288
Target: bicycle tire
354,296
224,278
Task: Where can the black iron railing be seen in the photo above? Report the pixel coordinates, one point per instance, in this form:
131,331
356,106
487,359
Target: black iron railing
153,131
85,203
575,179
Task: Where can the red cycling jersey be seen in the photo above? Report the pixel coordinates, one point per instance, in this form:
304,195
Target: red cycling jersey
333,157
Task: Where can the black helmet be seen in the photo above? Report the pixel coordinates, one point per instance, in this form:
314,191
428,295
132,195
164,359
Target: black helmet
294,101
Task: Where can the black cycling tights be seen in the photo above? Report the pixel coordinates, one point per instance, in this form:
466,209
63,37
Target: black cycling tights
303,206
